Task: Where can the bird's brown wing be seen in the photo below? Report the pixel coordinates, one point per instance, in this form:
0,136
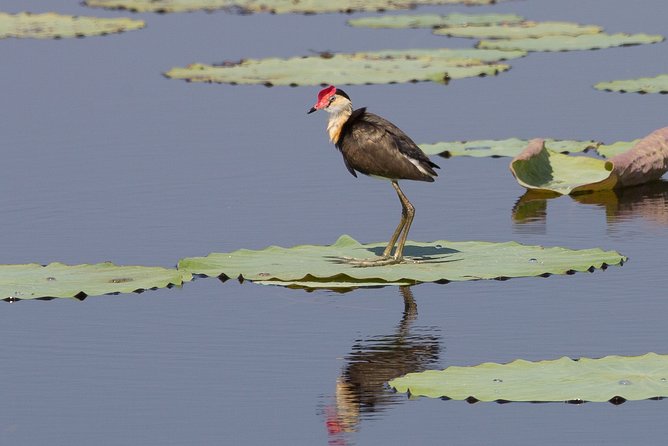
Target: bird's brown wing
374,146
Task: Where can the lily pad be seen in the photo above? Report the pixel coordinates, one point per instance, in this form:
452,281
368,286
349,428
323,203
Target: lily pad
541,169
454,55
390,66
610,150
571,43
32,281
272,6
658,84
55,26
434,20
440,261
614,378
522,30
501,147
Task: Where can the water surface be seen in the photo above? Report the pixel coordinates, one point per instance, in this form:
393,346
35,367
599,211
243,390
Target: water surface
104,159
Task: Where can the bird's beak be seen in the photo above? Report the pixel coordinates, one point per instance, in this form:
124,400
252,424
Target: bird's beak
311,110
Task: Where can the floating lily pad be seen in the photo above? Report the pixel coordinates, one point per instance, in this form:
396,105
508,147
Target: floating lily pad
541,169
571,43
55,26
273,6
391,66
521,30
610,150
613,378
501,147
434,20
453,55
658,84
326,266
34,281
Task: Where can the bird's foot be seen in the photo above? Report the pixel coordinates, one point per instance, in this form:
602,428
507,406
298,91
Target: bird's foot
379,261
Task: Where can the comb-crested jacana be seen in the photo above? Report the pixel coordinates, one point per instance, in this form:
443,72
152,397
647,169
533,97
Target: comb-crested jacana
374,146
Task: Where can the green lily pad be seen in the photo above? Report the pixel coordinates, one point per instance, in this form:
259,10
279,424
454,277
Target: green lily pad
658,84
55,26
613,378
501,147
460,56
542,169
616,148
570,43
440,261
273,6
390,66
34,281
434,20
522,30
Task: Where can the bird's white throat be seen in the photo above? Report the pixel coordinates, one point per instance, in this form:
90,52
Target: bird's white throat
338,117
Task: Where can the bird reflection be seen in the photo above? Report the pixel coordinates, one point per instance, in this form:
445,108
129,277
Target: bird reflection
361,390
648,201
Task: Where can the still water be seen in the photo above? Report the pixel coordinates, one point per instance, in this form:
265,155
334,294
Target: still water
104,159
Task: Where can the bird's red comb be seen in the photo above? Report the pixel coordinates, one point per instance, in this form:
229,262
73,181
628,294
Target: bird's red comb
325,93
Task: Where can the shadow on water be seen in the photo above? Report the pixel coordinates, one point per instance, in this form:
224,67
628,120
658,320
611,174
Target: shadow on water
361,389
647,201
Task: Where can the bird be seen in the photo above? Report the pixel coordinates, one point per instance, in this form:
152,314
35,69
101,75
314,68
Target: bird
373,146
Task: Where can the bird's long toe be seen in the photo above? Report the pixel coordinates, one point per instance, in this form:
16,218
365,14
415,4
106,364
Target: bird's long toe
378,261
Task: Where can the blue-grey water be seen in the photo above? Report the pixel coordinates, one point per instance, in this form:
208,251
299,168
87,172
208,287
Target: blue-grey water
105,159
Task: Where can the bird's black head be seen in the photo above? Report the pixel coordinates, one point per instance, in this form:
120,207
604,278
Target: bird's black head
342,93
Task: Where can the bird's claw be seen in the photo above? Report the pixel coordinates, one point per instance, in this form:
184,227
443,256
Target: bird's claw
379,261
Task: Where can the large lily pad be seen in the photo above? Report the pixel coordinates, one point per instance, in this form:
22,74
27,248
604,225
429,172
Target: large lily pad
34,281
613,378
501,147
570,43
541,169
434,20
658,84
273,6
326,266
55,26
391,66
521,30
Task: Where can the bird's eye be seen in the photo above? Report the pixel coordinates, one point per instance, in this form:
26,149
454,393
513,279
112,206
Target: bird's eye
332,99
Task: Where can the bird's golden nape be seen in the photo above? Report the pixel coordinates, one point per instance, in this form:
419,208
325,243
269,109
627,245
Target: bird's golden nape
373,146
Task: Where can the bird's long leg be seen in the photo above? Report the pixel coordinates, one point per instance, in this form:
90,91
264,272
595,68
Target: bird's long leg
408,213
402,223
401,233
